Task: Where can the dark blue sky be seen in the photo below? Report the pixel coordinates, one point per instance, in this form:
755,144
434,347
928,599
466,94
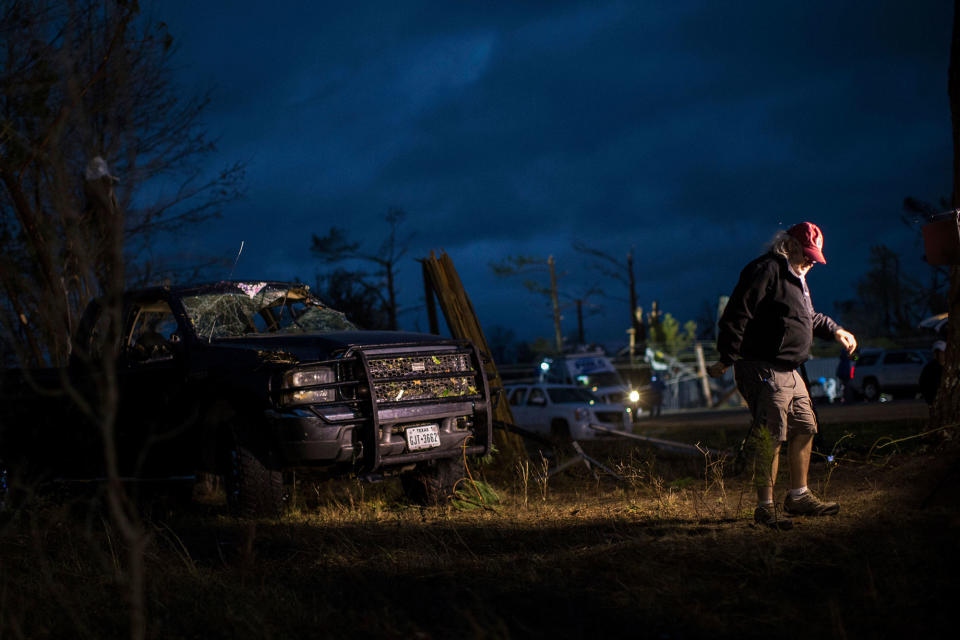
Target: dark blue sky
688,130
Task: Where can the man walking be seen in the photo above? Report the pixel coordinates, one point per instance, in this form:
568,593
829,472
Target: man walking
765,332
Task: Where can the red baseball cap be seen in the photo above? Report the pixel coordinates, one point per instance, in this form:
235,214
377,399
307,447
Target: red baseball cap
811,239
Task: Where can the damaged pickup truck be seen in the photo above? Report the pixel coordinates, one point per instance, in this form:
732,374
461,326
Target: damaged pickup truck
250,379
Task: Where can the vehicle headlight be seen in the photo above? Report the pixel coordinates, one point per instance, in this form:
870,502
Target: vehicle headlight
582,414
300,386
634,396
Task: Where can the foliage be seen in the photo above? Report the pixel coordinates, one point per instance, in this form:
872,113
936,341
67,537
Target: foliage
470,495
665,334
371,296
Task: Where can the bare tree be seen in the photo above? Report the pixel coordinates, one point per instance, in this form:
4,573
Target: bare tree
335,248
85,93
621,271
516,266
80,80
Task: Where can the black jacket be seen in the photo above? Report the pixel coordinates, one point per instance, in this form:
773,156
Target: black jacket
770,316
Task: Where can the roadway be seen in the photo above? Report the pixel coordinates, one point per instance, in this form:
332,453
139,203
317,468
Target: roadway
828,413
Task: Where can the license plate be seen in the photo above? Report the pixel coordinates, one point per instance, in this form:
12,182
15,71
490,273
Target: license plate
425,437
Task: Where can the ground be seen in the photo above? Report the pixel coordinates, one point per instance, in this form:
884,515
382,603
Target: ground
668,552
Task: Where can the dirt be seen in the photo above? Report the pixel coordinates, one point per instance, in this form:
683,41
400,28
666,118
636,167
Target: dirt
668,552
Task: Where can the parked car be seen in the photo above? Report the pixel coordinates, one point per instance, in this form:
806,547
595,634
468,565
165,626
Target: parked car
893,371
564,411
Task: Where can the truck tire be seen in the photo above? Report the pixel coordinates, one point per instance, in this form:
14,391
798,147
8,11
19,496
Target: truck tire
432,483
871,390
254,489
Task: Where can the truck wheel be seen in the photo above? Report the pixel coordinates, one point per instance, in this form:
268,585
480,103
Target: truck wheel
254,489
432,483
871,390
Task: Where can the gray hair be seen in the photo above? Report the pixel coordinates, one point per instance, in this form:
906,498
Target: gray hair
787,246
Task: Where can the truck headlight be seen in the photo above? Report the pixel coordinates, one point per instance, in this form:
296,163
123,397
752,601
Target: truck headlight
300,386
634,396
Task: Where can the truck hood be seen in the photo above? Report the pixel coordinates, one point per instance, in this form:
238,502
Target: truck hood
307,347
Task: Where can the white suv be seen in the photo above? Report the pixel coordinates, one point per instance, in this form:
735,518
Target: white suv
564,411
878,371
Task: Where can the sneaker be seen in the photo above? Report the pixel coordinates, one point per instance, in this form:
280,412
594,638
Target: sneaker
809,505
769,515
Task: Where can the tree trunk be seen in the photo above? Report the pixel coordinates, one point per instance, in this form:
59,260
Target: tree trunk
947,408
392,297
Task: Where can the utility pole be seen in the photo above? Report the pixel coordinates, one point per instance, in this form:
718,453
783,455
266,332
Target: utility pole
580,336
634,321
551,263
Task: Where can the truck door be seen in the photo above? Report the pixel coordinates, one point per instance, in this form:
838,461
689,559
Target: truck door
155,414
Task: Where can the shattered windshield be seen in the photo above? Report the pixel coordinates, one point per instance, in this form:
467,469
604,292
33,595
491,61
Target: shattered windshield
260,308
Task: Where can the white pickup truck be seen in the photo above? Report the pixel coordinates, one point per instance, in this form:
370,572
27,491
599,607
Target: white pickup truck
564,411
593,371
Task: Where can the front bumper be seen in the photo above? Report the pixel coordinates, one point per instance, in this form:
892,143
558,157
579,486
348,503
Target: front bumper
303,437
379,391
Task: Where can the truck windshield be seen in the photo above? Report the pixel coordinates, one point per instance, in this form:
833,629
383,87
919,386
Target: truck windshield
259,308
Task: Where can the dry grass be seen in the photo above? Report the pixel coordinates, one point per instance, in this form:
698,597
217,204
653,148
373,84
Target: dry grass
669,552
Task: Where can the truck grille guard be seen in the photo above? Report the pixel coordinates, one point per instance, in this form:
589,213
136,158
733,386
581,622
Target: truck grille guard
394,376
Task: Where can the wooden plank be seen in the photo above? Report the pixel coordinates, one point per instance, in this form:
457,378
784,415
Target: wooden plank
702,374
441,276
430,300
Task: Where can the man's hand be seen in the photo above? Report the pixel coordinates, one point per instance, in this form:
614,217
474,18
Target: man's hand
717,369
846,338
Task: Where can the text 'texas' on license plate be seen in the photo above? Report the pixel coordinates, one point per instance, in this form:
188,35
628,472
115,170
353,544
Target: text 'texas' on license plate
425,437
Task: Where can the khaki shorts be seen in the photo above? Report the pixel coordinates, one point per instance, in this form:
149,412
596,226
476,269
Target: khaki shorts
777,398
